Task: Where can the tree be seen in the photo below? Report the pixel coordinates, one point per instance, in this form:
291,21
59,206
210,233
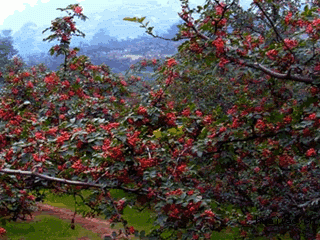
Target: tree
245,163
7,51
279,91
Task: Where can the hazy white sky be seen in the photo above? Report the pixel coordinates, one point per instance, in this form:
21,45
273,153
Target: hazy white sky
16,13
106,15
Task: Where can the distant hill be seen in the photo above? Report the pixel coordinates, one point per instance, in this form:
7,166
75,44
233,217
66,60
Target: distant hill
101,48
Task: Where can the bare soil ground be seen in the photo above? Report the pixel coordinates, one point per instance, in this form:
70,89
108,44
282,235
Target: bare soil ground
101,227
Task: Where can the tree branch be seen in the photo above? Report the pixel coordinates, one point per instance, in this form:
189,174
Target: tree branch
279,75
61,180
275,30
76,183
271,73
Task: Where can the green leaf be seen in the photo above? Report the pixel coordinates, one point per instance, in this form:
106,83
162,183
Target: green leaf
214,71
140,20
143,233
122,138
3,222
78,133
199,153
199,8
134,19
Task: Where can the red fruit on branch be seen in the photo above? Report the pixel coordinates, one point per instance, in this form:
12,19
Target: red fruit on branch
247,101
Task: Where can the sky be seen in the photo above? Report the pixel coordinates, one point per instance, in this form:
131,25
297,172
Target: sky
15,14
28,18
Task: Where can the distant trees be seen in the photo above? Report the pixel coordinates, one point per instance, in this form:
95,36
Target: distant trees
45,58
26,38
7,51
102,43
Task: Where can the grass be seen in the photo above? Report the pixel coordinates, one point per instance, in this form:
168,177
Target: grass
48,226
139,220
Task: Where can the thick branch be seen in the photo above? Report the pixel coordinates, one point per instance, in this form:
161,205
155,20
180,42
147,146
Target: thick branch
279,75
271,73
76,183
61,180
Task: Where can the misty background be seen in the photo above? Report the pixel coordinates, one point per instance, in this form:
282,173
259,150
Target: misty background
109,39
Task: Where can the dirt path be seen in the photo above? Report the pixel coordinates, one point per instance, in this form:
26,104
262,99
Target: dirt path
101,227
